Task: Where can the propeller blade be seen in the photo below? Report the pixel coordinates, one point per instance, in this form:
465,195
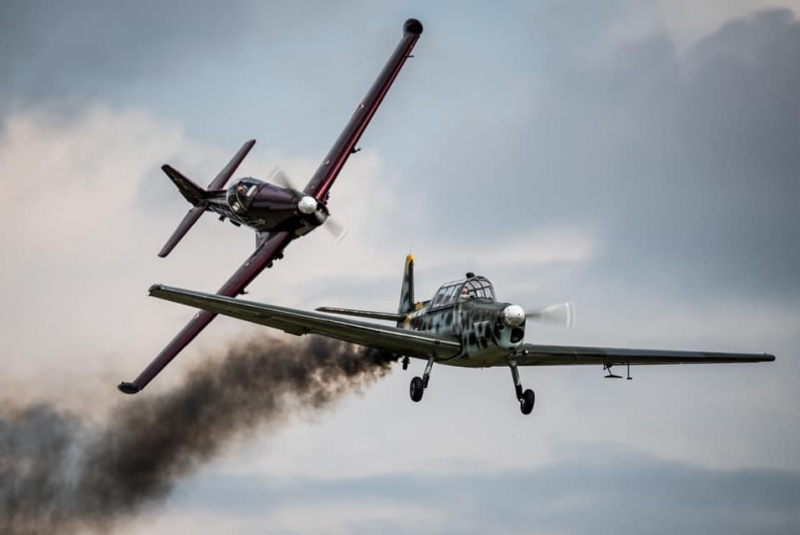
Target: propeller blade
338,230
282,179
560,314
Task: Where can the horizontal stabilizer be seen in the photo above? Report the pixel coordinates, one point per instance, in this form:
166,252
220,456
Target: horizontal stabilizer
190,191
227,172
388,316
188,221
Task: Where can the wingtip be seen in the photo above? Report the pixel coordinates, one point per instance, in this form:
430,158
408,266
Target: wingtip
412,26
128,388
153,288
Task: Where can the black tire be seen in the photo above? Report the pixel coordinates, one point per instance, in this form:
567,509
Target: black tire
416,389
527,401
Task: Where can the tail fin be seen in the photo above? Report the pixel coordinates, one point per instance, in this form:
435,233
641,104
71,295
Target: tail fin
407,289
190,191
197,196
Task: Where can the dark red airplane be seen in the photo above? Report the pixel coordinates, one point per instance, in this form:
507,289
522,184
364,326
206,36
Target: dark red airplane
277,214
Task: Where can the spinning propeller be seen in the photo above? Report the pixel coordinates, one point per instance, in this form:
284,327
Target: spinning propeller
558,314
309,205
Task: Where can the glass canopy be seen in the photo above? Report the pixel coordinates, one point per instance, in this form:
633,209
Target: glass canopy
463,290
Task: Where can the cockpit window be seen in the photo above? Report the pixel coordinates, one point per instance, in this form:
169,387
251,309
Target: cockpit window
240,195
478,287
463,290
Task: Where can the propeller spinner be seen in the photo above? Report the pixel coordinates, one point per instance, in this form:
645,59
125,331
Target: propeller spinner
309,205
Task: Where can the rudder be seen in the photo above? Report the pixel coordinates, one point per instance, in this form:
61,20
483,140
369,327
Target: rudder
407,289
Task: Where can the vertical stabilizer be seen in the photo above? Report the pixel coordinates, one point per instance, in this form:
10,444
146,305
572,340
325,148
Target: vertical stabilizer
407,289
197,196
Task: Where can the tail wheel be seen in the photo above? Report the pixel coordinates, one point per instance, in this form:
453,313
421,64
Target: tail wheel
416,389
527,401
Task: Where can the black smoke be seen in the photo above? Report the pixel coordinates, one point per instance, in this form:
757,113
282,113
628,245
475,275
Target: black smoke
60,473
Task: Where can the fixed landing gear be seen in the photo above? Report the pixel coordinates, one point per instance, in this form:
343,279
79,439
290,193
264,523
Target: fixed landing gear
419,384
526,398
416,389
527,401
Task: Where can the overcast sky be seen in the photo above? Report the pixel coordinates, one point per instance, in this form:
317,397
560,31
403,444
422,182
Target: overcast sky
638,158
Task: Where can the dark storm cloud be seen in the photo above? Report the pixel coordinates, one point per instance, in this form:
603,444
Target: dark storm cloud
685,165
621,492
82,50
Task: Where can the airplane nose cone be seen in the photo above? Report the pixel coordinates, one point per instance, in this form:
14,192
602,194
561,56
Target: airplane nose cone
307,205
513,315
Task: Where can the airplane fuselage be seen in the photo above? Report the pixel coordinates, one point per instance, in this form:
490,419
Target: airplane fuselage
478,324
265,207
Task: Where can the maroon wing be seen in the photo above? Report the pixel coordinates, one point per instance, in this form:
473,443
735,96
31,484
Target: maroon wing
323,179
188,221
266,253
229,169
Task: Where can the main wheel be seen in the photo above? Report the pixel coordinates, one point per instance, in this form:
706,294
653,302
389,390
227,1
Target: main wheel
416,389
527,401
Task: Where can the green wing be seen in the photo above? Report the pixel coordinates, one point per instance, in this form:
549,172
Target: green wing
544,355
300,322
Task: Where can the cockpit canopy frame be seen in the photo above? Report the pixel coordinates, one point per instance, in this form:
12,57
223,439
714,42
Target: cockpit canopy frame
462,290
241,194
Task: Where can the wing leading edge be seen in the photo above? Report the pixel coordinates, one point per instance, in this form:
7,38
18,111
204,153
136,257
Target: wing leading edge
300,322
266,253
544,355
345,144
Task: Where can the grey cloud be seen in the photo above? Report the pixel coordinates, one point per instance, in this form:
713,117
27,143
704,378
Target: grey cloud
599,493
684,164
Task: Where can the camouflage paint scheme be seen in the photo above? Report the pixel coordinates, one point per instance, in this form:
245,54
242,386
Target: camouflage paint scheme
461,325
466,311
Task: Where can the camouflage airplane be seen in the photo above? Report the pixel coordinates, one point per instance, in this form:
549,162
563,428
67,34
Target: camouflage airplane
277,214
462,325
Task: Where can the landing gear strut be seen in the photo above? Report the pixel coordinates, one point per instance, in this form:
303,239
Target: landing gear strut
418,385
526,398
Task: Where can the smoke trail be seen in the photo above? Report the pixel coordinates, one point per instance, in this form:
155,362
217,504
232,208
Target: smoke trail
60,474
